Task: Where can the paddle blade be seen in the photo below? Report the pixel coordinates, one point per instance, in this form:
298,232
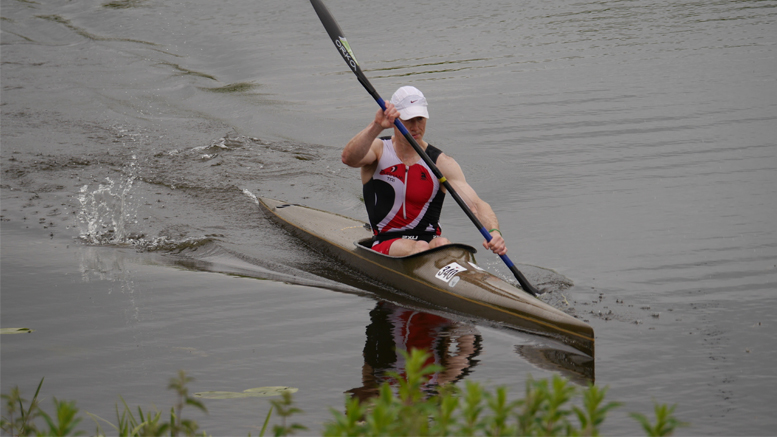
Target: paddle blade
338,38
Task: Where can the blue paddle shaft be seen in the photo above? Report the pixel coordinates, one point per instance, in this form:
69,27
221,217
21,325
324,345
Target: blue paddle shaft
397,122
487,235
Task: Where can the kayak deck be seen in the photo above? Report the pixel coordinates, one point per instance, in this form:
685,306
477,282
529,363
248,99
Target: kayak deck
447,276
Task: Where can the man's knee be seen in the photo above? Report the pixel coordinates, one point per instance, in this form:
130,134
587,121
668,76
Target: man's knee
404,247
418,246
439,241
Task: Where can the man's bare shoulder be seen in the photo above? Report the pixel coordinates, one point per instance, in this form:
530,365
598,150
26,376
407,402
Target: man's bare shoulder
447,164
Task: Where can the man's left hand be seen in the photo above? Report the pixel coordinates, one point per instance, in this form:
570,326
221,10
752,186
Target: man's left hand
497,244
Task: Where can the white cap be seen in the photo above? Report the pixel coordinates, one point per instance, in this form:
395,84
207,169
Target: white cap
410,102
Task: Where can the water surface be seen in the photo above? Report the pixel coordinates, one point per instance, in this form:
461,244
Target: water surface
629,146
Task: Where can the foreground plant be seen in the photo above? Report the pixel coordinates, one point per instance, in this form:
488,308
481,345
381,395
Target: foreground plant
177,423
284,408
151,423
593,412
17,421
22,423
66,419
665,424
544,411
417,408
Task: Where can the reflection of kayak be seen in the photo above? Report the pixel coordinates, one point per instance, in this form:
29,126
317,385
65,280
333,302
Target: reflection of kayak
577,368
447,276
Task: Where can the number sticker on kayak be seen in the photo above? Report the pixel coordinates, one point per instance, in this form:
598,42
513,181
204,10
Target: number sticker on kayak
448,272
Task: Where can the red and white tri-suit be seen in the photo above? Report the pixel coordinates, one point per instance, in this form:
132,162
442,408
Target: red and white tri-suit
402,201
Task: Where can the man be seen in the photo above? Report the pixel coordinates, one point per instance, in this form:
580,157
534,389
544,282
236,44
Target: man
402,195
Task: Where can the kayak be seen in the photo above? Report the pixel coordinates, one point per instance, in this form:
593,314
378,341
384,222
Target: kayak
447,277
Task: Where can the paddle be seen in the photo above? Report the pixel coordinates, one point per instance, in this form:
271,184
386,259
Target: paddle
338,39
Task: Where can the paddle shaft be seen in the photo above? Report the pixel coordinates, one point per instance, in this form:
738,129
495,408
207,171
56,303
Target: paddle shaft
338,38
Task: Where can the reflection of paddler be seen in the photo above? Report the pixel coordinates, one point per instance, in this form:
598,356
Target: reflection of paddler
452,345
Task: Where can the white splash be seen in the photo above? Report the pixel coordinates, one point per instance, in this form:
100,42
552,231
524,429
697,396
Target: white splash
107,211
251,195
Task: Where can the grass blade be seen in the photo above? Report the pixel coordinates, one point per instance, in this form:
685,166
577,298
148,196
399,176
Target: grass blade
266,421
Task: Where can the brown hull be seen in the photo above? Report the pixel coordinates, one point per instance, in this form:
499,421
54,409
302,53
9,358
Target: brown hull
447,277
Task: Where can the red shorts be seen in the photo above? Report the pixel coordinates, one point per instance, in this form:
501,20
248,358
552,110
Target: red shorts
384,246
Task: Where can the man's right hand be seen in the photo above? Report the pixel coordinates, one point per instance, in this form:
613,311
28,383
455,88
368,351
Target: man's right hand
385,119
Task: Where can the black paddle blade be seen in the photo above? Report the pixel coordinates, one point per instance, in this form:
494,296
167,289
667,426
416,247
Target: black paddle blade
338,38
525,284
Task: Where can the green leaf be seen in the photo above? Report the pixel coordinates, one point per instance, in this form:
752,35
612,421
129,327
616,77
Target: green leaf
220,395
16,330
257,392
266,421
270,391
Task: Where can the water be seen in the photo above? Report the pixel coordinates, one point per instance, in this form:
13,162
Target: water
629,146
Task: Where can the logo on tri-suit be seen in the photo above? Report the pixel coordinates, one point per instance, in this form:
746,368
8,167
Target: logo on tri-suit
397,171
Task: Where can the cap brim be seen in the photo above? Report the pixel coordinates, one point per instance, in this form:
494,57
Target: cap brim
413,112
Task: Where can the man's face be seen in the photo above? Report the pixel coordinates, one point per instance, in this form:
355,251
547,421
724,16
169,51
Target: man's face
416,126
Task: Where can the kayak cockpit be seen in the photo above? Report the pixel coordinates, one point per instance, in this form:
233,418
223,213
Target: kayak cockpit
366,244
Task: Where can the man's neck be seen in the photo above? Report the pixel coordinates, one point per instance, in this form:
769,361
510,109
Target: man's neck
405,152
